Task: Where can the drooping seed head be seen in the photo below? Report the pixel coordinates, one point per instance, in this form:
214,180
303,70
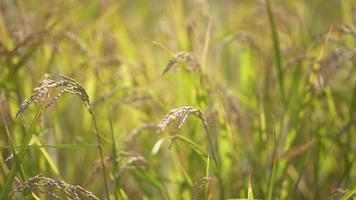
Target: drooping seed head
182,58
181,114
41,93
45,185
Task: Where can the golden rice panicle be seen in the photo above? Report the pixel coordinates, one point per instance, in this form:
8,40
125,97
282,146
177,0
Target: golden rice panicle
182,58
45,185
181,114
74,87
39,93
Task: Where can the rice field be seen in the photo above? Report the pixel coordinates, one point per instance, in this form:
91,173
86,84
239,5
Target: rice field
177,99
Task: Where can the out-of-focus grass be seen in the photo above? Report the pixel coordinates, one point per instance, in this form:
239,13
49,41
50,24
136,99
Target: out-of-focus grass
289,125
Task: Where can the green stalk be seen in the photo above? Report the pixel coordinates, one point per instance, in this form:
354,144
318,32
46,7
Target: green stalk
273,174
12,146
207,176
24,146
14,153
276,48
105,174
115,159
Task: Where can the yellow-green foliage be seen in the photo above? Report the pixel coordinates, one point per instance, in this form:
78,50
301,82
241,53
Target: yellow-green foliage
187,99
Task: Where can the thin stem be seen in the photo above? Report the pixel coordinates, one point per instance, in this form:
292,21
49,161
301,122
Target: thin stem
115,159
101,155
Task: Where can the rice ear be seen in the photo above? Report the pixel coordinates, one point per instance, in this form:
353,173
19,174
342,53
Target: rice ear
182,57
181,114
42,184
41,92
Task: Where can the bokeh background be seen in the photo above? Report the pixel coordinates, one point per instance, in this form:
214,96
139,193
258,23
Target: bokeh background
275,80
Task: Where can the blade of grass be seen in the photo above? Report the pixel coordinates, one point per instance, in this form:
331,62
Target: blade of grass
18,164
271,186
276,48
207,175
186,176
206,46
250,190
13,149
143,174
5,38
47,157
24,146
300,171
349,195
192,145
348,147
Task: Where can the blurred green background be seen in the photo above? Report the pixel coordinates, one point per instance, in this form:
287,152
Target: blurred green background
275,80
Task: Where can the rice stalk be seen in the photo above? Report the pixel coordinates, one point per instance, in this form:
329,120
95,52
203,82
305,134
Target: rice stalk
71,86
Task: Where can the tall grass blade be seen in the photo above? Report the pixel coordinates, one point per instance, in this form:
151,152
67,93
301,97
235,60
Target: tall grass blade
250,190
24,146
276,48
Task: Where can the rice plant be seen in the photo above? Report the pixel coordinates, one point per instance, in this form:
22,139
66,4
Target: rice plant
186,99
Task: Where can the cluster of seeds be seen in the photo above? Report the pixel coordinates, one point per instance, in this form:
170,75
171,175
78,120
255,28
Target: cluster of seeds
182,58
42,184
181,114
347,29
41,92
337,58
